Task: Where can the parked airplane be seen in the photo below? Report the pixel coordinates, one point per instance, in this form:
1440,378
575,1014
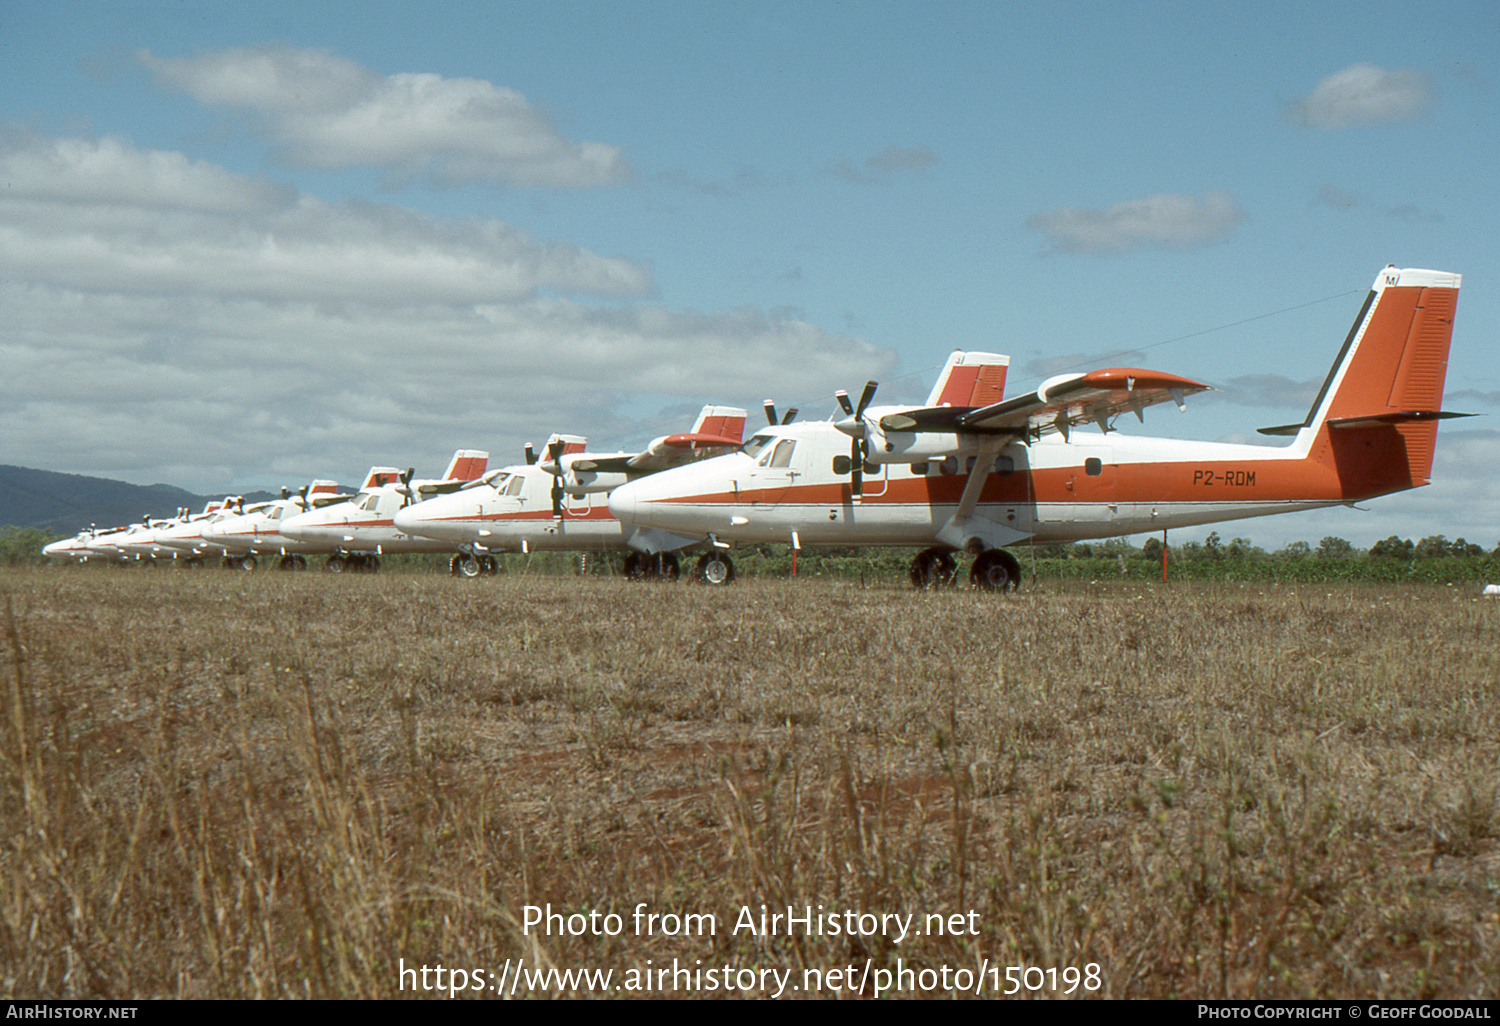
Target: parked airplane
358,532
562,502
893,476
75,549
255,531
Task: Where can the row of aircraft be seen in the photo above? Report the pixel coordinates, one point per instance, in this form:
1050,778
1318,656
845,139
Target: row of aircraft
968,471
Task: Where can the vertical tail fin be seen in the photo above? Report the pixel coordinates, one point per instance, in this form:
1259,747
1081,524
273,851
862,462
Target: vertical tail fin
970,379
721,422
466,465
1381,402
378,476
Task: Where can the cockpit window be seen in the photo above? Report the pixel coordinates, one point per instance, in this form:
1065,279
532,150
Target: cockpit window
274,513
370,504
781,456
753,447
513,485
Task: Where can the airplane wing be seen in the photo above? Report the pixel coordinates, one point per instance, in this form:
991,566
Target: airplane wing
1058,405
717,430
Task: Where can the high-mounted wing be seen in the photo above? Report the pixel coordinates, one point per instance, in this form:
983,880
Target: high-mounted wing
1059,405
717,429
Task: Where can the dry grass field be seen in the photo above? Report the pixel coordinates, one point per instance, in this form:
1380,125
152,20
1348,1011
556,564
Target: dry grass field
279,785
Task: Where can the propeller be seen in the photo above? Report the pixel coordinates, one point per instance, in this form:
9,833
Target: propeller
530,451
791,414
406,486
554,453
855,427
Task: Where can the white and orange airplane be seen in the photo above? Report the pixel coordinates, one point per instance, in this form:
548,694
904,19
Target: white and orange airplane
255,530
978,475
562,502
358,532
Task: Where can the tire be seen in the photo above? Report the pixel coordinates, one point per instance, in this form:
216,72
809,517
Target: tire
468,566
634,567
933,568
335,565
666,567
714,568
995,570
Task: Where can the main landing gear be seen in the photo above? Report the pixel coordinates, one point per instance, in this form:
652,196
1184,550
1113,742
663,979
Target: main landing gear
660,566
714,568
465,565
993,570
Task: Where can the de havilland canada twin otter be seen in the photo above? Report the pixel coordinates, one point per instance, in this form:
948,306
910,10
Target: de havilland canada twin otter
970,471
967,471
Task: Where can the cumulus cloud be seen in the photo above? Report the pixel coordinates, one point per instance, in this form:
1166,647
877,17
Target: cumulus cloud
1363,94
1167,221
169,320
327,113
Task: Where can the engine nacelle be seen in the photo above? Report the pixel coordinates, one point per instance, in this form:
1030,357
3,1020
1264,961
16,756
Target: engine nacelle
916,446
583,479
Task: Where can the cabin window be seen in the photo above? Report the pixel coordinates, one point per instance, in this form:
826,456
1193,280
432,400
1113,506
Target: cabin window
948,465
919,469
1005,465
1093,466
841,465
273,514
513,486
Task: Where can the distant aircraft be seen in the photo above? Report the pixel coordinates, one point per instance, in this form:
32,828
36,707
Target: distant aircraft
358,532
256,530
975,478
561,503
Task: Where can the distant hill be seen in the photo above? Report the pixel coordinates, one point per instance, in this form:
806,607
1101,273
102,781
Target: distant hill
67,503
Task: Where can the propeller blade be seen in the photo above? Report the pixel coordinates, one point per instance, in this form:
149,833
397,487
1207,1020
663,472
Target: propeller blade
770,412
865,397
554,453
843,398
530,454
791,415
857,466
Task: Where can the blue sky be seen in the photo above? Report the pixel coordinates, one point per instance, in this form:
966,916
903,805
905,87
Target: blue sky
248,245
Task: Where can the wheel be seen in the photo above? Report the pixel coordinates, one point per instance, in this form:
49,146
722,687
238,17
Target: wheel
665,566
335,564
933,568
714,568
292,562
995,570
634,567
467,565
245,563
372,564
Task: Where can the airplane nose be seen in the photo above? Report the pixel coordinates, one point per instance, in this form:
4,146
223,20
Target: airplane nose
407,519
623,503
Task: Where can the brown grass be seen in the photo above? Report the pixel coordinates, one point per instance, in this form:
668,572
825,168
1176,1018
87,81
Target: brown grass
228,785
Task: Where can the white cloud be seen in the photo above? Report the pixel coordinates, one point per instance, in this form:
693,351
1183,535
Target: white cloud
1169,221
167,320
326,112
1363,94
